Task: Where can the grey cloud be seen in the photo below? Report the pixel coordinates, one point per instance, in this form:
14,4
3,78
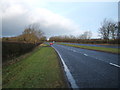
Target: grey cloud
13,26
14,21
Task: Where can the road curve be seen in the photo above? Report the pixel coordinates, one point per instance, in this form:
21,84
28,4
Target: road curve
90,69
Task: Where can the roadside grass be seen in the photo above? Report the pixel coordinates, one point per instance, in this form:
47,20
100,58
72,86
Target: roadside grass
40,70
110,50
0,77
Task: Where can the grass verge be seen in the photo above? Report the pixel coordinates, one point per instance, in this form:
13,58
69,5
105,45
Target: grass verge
110,50
40,70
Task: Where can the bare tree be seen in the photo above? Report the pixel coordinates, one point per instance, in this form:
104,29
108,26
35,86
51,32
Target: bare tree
86,35
32,33
113,30
108,30
104,31
118,30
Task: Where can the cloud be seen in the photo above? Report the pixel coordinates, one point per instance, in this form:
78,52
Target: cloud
18,14
53,23
14,18
84,0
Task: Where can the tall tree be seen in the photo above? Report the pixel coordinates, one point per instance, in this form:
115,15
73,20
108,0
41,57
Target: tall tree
118,30
108,30
113,30
104,29
32,33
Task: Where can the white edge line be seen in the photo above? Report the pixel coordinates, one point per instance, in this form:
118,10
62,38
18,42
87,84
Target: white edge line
114,65
69,75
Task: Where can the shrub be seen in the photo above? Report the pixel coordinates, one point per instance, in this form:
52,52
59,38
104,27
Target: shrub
12,50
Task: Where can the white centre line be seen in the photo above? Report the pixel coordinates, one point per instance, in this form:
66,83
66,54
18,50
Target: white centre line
74,50
85,54
114,65
95,58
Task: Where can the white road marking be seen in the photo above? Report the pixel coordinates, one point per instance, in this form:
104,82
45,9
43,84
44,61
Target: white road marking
69,75
74,50
114,65
85,54
95,58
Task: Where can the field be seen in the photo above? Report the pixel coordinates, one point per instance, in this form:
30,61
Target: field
110,50
40,70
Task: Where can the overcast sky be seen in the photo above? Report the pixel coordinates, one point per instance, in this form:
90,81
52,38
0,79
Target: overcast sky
70,17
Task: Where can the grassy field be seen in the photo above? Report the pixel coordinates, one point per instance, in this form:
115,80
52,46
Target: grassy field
110,50
40,70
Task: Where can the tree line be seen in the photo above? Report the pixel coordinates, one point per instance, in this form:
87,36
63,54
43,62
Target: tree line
109,32
70,38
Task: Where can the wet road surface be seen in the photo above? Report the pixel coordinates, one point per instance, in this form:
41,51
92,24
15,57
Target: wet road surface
91,69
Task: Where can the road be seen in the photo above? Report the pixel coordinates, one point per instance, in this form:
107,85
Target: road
90,69
107,46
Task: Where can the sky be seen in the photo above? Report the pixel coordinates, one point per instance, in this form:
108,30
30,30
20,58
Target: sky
56,17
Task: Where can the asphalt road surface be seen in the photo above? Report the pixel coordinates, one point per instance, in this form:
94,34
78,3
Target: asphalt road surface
107,46
90,69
